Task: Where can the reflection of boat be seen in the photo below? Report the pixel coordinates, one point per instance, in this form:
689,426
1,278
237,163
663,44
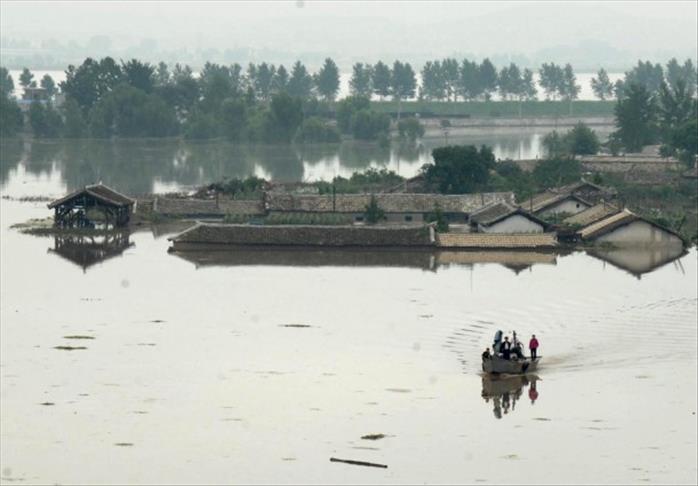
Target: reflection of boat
506,391
495,364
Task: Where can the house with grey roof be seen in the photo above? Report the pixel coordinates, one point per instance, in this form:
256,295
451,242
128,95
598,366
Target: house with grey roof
503,217
551,203
626,228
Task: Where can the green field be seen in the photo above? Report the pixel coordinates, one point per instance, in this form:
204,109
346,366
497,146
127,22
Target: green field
467,109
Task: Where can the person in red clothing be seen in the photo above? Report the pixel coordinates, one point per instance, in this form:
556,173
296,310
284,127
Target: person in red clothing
533,346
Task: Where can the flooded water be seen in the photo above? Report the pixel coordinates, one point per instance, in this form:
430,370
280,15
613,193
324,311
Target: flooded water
145,166
123,363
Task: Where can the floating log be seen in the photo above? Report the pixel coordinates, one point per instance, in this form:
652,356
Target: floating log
358,463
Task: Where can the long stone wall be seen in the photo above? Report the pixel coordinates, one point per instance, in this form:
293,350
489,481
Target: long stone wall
209,235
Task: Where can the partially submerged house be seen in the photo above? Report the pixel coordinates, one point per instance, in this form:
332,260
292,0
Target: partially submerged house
91,205
503,217
626,228
588,191
398,208
551,203
592,215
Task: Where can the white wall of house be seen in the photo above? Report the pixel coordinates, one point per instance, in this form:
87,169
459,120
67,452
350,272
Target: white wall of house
568,206
513,224
639,233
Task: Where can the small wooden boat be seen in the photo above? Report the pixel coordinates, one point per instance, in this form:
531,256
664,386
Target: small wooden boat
495,364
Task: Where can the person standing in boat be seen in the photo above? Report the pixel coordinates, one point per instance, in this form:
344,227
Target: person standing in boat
533,346
506,348
516,346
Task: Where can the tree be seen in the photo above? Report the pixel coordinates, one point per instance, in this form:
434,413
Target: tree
676,73
138,74
280,82
581,140
285,116
636,115
263,80
233,118
381,79
49,85
649,76
528,85
601,85
216,85
74,125
470,80
45,121
373,212
451,77
433,83
556,172
26,78
301,83
403,83
554,145
327,80
569,89
510,82
347,108
162,76
459,169
360,82
7,86
551,80
369,125
315,130
11,119
488,78
91,81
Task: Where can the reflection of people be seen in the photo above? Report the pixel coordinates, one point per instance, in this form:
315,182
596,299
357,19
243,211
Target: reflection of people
506,348
505,402
497,408
533,346
532,392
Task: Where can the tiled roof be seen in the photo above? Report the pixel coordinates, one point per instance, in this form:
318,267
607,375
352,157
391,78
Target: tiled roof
592,214
546,199
608,224
194,207
98,191
390,203
496,212
496,240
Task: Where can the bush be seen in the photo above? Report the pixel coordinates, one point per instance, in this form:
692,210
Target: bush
374,213
346,110
369,125
582,140
45,121
410,128
459,169
201,126
315,130
11,120
557,172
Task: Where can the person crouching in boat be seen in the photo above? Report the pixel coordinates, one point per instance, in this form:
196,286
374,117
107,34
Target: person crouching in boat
486,354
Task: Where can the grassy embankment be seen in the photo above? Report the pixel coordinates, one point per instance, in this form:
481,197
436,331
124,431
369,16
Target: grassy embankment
473,109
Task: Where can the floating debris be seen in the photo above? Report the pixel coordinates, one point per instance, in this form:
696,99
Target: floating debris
399,390
358,463
157,321
47,404
69,348
295,325
542,419
78,337
373,436
124,444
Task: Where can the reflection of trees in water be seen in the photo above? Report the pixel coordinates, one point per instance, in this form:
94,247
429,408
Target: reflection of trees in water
318,152
505,392
282,162
360,155
11,153
409,152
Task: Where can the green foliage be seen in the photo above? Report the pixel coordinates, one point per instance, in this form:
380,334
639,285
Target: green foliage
347,108
437,216
368,181
45,121
684,139
285,117
11,119
313,129
601,85
92,80
582,140
233,118
327,80
381,79
459,169
7,85
301,83
557,172
26,78
138,74
410,128
403,81
74,125
636,118
373,213
49,85
360,83
238,188
369,125
201,126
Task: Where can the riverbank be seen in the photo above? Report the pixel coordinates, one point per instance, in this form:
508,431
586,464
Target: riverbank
496,109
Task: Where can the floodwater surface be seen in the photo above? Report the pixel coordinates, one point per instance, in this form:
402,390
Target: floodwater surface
134,365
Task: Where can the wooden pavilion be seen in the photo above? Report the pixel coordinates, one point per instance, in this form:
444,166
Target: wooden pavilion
82,208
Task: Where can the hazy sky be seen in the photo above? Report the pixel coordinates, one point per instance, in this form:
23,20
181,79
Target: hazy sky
355,29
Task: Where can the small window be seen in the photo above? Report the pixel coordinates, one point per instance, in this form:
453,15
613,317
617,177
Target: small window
408,217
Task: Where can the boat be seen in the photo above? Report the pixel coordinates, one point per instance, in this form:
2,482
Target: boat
518,364
496,365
